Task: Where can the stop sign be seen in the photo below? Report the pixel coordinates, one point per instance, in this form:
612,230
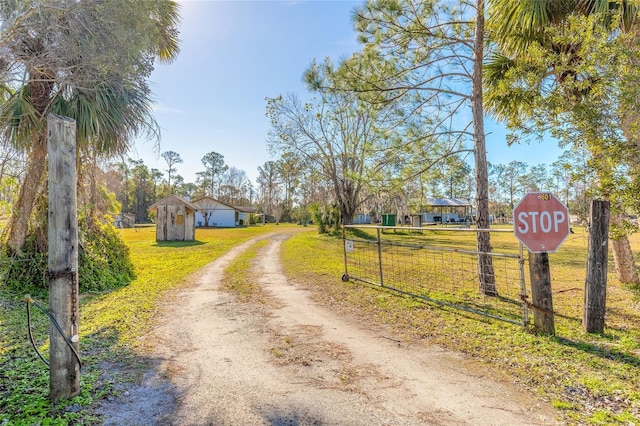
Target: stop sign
541,222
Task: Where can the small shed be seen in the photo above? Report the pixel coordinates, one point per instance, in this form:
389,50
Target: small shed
124,220
175,219
446,210
389,219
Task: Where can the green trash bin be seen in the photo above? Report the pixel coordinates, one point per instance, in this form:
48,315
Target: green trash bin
388,220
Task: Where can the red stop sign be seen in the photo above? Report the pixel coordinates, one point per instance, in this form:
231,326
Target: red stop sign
541,222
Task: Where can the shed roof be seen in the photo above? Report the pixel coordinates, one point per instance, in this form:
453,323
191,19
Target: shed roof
172,199
448,202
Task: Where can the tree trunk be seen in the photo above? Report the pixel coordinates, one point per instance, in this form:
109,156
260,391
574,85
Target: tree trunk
40,86
595,292
624,262
36,165
486,276
541,294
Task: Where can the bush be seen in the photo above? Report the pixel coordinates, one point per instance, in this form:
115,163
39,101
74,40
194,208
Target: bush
103,260
326,217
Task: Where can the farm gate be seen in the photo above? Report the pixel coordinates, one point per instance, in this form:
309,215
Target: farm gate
438,265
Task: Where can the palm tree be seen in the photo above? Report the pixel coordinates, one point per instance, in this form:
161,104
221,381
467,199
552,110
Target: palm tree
517,26
98,81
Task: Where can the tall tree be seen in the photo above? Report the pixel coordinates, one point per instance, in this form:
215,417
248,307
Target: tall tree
156,177
511,180
337,133
453,176
234,186
142,190
269,187
214,165
51,65
567,67
172,158
289,168
431,54
575,175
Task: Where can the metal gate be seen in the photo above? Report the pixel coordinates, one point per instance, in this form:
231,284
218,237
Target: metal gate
419,262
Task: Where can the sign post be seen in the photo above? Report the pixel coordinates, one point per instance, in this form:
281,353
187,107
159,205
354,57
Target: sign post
541,224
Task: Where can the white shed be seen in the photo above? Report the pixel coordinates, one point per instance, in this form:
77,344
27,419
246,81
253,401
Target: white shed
212,212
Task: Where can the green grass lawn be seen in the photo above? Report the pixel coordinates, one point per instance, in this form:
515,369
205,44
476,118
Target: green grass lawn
589,378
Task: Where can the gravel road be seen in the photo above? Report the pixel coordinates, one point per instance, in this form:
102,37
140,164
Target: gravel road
293,362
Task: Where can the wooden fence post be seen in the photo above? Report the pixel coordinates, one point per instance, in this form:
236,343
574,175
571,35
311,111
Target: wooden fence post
64,366
541,295
595,286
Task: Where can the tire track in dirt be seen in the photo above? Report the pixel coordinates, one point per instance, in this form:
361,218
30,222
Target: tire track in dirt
416,385
293,362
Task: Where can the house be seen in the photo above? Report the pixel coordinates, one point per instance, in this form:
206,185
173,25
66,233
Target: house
361,218
175,219
212,212
243,215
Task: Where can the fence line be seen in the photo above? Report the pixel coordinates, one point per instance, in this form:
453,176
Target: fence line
411,262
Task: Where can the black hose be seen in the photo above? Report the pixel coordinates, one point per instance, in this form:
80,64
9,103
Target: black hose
29,299
33,343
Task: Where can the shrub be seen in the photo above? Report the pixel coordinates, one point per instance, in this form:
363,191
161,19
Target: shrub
326,217
103,260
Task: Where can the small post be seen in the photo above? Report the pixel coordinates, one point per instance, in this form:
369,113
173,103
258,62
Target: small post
379,242
64,368
541,296
345,276
595,286
523,286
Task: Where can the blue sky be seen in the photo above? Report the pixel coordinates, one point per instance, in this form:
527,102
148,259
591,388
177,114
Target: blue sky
236,53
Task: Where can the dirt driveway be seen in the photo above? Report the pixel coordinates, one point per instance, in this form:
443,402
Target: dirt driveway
293,362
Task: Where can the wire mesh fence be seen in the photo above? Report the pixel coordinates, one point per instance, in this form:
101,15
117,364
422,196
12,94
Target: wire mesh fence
434,265
441,266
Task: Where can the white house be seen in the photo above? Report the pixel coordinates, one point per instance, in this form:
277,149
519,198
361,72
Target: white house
212,212
243,217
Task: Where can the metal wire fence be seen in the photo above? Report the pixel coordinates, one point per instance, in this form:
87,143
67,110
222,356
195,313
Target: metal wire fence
440,265
425,263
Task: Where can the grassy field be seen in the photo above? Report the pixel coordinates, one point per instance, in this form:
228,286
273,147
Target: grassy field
590,379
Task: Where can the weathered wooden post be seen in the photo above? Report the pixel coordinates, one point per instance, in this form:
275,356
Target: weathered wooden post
64,365
595,286
541,295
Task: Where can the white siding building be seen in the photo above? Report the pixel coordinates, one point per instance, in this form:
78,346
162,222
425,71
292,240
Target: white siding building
212,212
